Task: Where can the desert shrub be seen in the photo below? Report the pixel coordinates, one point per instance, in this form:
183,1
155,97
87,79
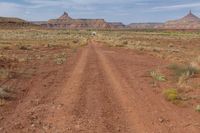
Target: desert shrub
60,58
4,74
23,47
75,41
171,94
5,93
196,63
180,70
6,47
120,45
125,42
183,73
197,108
157,76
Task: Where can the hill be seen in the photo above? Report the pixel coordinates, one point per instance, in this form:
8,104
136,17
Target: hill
8,22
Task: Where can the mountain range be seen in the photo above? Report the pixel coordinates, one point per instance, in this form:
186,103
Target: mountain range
190,21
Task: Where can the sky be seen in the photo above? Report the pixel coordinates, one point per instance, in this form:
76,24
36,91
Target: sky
126,11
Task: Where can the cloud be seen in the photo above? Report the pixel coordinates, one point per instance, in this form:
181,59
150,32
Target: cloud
176,7
10,9
48,3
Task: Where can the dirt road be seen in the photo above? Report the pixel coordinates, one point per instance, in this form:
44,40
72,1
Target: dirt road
101,90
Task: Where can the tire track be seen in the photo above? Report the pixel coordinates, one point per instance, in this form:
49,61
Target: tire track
96,109
134,121
60,117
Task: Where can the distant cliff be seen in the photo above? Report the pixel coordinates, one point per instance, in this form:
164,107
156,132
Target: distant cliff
116,25
66,22
143,25
190,21
8,22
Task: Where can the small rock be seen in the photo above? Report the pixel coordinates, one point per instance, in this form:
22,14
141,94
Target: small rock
33,125
161,120
1,117
1,129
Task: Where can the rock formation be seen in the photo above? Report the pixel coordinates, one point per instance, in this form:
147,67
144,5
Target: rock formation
66,22
116,25
65,16
190,21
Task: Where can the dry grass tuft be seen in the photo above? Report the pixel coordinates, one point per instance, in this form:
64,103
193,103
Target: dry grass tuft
60,58
197,108
5,93
158,76
196,63
183,73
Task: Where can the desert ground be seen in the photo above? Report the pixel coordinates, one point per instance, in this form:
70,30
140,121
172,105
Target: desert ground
68,81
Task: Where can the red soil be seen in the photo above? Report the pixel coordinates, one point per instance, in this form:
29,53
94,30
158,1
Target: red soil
98,90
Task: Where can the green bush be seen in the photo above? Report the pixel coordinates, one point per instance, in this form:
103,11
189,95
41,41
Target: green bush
171,94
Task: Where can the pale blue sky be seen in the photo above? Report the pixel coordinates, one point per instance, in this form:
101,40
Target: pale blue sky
125,11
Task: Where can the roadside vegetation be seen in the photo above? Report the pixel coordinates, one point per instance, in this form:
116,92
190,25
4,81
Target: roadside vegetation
180,49
24,51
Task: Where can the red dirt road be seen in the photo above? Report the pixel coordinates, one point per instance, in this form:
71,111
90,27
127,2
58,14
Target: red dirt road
103,90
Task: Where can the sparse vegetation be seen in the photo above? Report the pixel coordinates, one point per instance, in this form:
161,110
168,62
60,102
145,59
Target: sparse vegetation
171,46
4,74
125,42
24,51
196,64
183,73
5,93
180,70
23,47
165,44
60,58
